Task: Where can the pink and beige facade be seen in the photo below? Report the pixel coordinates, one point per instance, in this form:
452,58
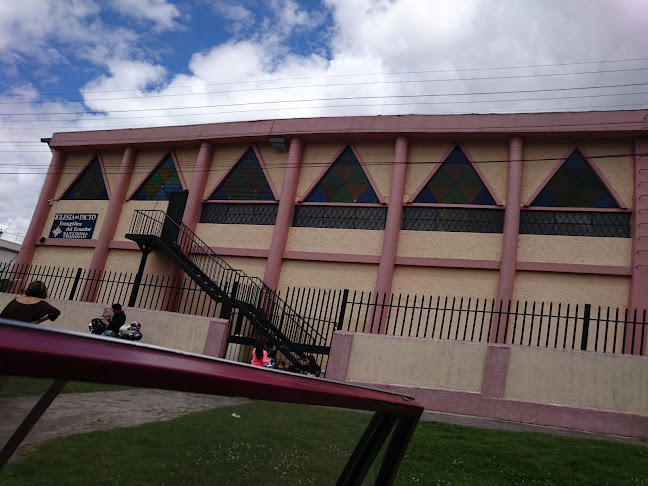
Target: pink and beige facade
507,227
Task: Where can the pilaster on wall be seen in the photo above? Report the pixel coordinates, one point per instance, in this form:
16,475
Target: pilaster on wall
190,219
109,226
508,258
35,231
285,213
392,231
635,334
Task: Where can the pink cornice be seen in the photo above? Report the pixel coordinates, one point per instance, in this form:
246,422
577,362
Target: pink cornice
629,123
576,210
76,177
596,170
337,204
70,243
318,179
575,268
123,245
231,168
448,263
442,161
439,205
145,178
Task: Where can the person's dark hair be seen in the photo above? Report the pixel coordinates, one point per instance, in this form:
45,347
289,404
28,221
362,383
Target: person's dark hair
258,350
117,307
36,289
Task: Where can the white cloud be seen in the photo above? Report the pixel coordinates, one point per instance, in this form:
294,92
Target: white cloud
160,12
261,76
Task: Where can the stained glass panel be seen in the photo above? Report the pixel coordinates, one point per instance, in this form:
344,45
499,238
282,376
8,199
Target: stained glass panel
90,185
246,182
161,183
455,182
575,185
344,182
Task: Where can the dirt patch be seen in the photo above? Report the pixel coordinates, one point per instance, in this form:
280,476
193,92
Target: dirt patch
84,412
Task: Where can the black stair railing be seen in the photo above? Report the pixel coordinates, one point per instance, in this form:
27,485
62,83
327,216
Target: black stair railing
212,272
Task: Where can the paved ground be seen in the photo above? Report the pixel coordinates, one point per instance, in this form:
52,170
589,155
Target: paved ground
84,412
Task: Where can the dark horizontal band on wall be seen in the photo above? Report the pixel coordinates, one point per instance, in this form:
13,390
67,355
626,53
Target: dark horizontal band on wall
575,223
343,217
463,220
239,213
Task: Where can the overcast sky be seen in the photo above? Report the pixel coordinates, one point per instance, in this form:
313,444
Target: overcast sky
69,65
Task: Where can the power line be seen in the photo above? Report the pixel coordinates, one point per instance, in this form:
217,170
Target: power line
482,78
580,63
346,98
78,169
426,103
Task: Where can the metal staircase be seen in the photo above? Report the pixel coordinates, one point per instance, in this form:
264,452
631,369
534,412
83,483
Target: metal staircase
269,315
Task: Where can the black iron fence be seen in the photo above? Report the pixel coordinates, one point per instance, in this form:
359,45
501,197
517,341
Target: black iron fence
564,326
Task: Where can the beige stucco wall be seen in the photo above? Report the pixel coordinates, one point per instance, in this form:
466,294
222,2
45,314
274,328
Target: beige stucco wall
441,244
61,256
488,156
145,161
254,267
445,282
378,158
333,240
186,158
236,235
597,290
450,365
579,379
157,263
99,207
423,158
126,216
112,162
74,164
575,249
167,329
328,275
275,163
618,170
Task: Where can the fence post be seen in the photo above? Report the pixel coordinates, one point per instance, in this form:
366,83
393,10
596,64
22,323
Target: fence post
586,323
77,278
343,305
140,272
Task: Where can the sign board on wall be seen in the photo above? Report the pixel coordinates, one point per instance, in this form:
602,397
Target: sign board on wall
78,226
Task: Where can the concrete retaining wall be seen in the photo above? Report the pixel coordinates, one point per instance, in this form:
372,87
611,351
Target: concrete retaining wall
582,390
202,335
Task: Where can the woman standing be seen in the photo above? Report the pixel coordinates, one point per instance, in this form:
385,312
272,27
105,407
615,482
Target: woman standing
31,307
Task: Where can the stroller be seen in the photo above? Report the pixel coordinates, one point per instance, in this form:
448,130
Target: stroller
130,332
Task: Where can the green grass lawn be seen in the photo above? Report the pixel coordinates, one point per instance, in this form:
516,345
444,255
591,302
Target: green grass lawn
293,445
21,386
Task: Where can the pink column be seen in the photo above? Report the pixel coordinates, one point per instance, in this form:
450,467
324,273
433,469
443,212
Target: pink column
42,209
392,231
190,218
285,214
109,226
635,339
510,238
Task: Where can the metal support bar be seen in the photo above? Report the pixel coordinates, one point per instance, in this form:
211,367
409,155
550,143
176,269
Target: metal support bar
367,449
30,420
146,249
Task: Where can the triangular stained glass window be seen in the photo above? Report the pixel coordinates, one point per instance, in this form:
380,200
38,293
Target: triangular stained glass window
246,182
344,182
575,185
90,185
161,183
455,182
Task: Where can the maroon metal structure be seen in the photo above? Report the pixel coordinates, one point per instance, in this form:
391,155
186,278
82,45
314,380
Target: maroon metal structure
36,351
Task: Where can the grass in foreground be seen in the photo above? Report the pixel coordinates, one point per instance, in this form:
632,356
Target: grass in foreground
21,386
294,445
